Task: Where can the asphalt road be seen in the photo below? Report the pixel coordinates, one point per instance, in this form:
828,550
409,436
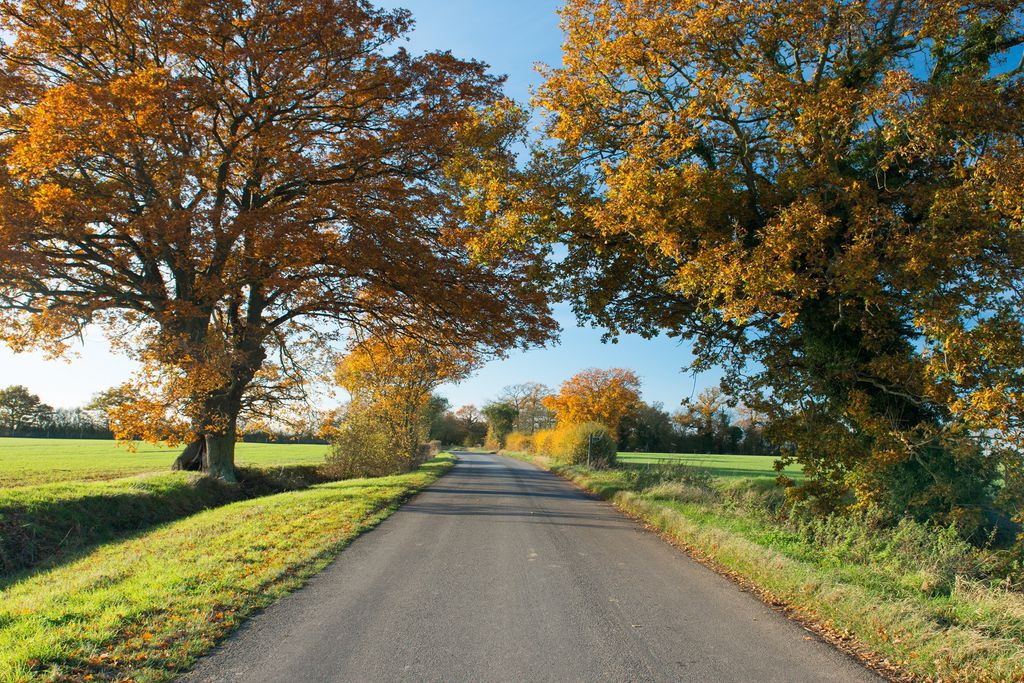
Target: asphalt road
503,572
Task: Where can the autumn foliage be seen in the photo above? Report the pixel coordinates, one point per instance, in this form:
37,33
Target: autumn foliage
390,381
596,395
228,188
826,197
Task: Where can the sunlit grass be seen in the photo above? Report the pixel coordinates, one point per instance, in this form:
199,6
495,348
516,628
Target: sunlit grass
45,524
37,461
146,607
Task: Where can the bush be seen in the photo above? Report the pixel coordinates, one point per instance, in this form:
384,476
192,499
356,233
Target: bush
544,442
363,447
517,441
589,442
571,444
427,451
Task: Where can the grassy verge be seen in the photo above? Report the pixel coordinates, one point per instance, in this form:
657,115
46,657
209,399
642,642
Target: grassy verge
145,608
46,524
27,462
915,602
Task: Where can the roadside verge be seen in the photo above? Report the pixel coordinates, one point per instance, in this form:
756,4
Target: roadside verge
44,525
145,608
873,594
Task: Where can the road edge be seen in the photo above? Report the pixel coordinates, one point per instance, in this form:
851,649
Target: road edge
844,642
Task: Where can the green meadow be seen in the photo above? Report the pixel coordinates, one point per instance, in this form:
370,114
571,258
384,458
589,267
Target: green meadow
112,567
37,461
718,465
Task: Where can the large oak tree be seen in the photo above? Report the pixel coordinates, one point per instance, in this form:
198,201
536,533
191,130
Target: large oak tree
226,185
827,196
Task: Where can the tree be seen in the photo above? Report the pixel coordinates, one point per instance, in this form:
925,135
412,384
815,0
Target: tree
501,419
752,423
708,418
108,402
596,395
471,424
391,383
825,196
648,429
230,187
528,400
20,408
437,407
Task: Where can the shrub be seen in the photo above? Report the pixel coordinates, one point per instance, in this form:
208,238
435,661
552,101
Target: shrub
363,447
517,441
427,451
921,557
576,444
544,442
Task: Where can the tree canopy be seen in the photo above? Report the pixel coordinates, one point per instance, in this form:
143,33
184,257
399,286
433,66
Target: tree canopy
596,395
230,187
826,196
20,408
501,419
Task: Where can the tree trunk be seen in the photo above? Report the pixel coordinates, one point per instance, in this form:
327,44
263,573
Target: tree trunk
213,454
193,458
220,456
213,451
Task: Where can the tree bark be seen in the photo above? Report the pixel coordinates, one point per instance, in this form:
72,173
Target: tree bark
213,451
213,454
220,456
193,458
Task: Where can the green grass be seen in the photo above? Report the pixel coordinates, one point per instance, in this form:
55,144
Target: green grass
915,600
45,524
719,465
145,608
36,461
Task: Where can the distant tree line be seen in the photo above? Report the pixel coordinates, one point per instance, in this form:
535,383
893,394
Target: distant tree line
23,414
706,424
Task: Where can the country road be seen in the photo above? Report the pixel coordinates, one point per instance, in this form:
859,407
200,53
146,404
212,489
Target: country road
503,572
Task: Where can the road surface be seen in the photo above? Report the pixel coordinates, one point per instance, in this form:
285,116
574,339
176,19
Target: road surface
503,572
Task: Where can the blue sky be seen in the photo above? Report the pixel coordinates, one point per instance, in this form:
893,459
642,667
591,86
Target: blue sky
512,38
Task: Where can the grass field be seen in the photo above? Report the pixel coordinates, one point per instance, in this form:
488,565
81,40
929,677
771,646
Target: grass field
145,607
717,465
36,461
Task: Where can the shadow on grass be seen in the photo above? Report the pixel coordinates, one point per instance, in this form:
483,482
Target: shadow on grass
50,524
